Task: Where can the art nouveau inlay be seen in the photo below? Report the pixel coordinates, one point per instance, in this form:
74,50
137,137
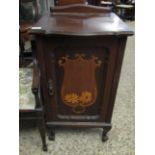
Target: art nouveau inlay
79,90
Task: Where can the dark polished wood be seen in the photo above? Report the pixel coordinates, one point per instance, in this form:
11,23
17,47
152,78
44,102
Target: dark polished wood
79,9
80,57
68,2
98,22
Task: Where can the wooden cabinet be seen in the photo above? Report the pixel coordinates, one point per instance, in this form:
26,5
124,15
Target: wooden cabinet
80,57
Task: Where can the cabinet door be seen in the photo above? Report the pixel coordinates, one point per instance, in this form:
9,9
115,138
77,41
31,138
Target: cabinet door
79,78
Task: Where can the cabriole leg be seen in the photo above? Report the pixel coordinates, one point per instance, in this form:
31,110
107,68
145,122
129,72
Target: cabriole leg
42,134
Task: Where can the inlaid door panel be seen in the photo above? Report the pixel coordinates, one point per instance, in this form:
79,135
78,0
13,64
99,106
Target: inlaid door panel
79,77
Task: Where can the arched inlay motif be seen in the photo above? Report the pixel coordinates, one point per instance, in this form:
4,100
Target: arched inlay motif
79,88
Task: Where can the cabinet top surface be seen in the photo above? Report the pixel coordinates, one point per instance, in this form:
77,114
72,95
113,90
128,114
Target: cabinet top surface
81,24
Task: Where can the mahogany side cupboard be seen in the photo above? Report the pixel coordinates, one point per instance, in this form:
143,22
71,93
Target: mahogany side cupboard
79,49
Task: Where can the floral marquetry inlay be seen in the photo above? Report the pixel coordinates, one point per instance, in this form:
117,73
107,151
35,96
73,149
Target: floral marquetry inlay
82,99
79,90
71,98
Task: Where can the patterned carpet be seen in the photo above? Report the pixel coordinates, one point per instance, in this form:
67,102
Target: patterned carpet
88,141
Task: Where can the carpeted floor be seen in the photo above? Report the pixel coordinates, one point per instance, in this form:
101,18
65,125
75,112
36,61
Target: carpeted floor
88,141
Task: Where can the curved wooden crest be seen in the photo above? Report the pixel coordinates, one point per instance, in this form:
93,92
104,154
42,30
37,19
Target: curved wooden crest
79,8
79,88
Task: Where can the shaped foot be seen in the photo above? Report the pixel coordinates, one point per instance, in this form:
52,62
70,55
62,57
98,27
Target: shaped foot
104,138
104,133
51,135
45,148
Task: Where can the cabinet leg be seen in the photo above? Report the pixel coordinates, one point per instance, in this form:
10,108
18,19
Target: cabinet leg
51,135
42,131
104,133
